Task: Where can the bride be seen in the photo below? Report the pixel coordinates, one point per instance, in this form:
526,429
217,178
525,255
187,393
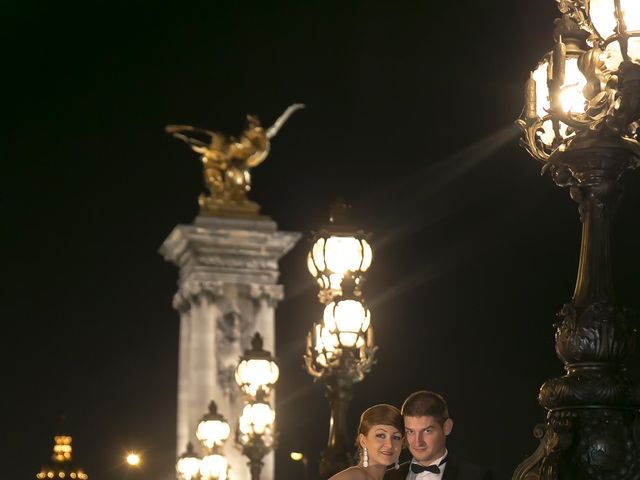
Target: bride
379,442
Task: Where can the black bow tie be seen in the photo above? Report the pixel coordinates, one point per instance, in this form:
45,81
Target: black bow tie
417,468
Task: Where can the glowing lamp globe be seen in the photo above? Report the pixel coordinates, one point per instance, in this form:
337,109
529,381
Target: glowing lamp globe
214,467
336,250
213,429
257,420
188,464
333,255
257,370
347,320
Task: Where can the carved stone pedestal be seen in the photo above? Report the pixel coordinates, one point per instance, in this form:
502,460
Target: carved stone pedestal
227,291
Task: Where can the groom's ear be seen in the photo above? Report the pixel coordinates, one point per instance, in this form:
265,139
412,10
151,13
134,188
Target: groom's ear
447,426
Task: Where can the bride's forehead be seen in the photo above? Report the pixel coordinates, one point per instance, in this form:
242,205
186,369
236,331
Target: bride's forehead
385,428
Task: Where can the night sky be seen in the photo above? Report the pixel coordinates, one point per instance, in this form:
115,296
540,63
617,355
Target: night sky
410,109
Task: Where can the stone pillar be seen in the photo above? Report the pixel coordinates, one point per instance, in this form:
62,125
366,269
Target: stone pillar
227,291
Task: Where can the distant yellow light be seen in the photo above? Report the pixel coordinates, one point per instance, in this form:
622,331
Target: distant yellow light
133,459
296,456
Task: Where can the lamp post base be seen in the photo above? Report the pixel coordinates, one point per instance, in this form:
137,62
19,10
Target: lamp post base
585,444
337,456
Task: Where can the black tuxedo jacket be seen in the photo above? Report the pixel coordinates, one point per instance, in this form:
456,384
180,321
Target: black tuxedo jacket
456,469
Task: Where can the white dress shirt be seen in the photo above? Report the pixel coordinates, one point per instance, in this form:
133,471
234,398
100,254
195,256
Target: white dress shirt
428,475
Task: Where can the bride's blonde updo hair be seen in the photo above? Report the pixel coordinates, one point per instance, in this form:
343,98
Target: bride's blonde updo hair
382,414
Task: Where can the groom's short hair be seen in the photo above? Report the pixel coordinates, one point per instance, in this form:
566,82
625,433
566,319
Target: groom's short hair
425,404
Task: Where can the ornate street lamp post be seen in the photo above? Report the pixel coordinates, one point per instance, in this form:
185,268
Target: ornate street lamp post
212,431
581,118
255,434
340,348
256,375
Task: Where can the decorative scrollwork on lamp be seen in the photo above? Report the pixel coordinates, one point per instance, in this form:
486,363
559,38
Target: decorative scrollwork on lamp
579,93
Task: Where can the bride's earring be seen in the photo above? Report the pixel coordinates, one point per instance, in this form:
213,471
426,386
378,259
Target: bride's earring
397,465
365,457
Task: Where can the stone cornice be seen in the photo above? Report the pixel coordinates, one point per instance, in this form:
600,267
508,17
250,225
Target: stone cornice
228,246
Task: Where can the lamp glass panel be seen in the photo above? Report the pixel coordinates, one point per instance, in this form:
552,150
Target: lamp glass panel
310,265
633,49
325,345
331,344
212,432
343,254
611,56
603,17
571,96
571,93
547,135
367,255
256,418
188,467
317,252
347,319
631,12
256,373
348,339
213,467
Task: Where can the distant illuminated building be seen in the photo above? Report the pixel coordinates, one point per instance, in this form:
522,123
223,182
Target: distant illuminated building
62,466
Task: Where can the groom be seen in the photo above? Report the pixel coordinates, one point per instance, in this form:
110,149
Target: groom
427,424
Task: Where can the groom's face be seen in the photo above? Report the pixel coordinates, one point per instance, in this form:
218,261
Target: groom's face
426,437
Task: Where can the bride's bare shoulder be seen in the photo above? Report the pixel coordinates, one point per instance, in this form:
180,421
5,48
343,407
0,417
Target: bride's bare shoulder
351,473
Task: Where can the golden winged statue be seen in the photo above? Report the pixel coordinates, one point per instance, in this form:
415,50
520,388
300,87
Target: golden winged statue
227,162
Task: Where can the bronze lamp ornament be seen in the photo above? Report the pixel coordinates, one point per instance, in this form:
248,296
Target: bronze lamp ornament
581,119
